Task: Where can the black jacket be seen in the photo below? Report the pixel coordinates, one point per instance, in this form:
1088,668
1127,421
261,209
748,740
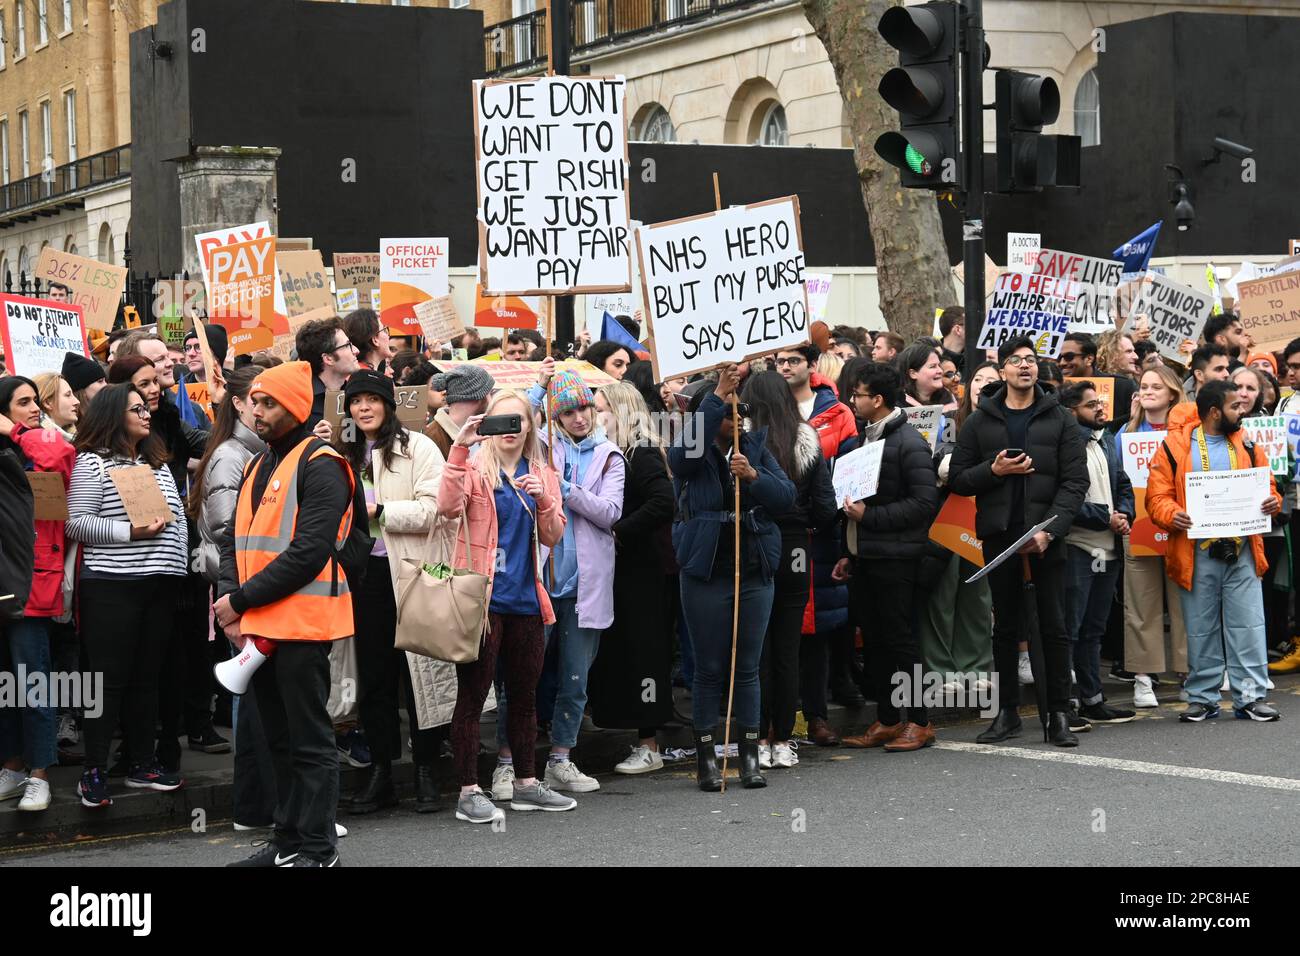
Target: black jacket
1096,517
322,501
643,535
1060,478
898,516
17,537
814,506
182,440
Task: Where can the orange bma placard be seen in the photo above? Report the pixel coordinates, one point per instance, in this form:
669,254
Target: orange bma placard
954,529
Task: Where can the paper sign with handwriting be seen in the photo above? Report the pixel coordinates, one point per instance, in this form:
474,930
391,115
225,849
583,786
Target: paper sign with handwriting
50,495
141,495
95,286
439,319
857,474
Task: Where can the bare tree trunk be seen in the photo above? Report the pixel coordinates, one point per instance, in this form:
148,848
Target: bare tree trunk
911,260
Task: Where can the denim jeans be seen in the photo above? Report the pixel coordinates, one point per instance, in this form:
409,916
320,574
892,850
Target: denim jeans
575,650
708,606
1224,613
1089,590
28,731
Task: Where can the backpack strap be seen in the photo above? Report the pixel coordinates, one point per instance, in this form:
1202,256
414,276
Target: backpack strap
1173,465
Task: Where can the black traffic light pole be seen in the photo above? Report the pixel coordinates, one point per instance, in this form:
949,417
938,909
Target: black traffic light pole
558,26
973,207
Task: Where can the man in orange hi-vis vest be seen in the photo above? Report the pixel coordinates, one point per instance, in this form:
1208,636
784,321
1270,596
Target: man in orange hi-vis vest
281,580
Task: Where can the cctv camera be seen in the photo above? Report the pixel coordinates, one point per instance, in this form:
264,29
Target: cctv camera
1234,149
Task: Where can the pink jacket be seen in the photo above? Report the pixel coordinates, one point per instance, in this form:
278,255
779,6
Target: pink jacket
465,490
46,450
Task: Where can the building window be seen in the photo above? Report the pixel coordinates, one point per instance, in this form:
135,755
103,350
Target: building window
23,144
657,127
457,4
4,150
1087,109
67,16
20,17
401,3
24,261
70,113
4,39
774,131
47,154
42,23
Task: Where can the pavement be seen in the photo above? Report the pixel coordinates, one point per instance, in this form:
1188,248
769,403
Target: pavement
1150,792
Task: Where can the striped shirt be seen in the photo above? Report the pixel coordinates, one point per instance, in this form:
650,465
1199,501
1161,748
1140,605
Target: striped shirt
98,520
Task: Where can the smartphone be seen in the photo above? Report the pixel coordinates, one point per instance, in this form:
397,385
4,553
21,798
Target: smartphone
1010,452
501,425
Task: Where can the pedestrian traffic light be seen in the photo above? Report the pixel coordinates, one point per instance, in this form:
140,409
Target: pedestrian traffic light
1027,159
923,88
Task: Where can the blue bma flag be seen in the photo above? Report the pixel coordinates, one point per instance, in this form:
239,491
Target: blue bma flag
1136,253
614,332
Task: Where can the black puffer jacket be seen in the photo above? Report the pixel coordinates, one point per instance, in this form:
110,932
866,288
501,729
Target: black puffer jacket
815,507
1059,481
898,516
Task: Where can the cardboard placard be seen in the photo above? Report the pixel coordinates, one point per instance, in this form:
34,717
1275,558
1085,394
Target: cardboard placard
412,407
95,286
1270,310
1176,313
954,529
1038,306
1227,504
37,332
1269,435
303,279
356,270
1137,449
727,286
523,375
1105,388
201,394
410,271
551,161
348,300
49,494
141,495
926,419
439,320
1096,308
283,345
283,244
205,351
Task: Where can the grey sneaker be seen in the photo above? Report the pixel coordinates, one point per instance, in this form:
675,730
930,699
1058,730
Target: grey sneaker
540,797
475,807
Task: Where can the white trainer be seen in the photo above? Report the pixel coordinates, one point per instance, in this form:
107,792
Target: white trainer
641,760
503,782
765,756
36,795
1144,694
782,755
1026,670
340,830
565,775
11,783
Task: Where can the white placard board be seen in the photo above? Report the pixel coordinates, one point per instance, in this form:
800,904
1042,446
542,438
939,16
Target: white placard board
857,474
1176,313
1022,250
1037,306
1226,504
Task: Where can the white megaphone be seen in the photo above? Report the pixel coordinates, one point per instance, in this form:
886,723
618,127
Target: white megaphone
234,675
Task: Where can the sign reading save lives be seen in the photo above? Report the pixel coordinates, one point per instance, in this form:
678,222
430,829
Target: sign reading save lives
723,287
1037,306
1177,313
553,208
1098,279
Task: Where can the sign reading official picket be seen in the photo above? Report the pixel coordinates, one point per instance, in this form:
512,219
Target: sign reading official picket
553,208
1037,306
410,271
723,287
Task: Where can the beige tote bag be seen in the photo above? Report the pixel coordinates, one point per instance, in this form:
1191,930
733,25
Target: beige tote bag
442,617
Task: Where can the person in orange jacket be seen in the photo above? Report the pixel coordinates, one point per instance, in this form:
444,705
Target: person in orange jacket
1219,578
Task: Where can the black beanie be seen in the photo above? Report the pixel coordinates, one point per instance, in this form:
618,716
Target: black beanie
80,372
369,382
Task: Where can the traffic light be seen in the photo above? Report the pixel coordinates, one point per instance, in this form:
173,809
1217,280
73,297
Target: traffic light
1027,159
923,88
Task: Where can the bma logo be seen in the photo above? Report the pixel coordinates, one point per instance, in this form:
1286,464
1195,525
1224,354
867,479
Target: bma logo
75,909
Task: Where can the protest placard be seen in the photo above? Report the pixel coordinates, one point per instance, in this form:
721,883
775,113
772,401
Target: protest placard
37,332
1293,434
1269,435
95,286
727,286
241,293
926,419
374,301
209,242
49,495
283,345
356,270
1137,449
1095,308
510,311
818,285
1175,312
412,406
857,474
438,319
348,300
1270,310
143,500
553,209
1227,504
615,303
303,279
1293,247
1038,306
410,271
522,375
205,351
1022,251
954,529
1104,385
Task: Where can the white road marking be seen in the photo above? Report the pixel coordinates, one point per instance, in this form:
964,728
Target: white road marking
1132,766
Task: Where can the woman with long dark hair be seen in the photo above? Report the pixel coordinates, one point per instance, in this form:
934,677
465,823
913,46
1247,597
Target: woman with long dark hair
28,734
612,358
921,367
400,471
129,574
797,450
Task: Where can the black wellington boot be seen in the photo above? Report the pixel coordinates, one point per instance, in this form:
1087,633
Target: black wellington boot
707,774
750,776
377,792
1005,726
1058,731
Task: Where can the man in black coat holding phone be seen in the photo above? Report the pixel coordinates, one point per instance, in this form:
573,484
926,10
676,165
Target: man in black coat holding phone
1021,457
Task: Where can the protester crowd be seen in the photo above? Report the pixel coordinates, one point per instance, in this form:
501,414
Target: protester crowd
600,536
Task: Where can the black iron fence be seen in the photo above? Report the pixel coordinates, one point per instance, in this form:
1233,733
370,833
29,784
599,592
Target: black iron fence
62,180
140,293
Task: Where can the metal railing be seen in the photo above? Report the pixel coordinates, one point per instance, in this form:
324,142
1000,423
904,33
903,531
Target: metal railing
105,167
522,43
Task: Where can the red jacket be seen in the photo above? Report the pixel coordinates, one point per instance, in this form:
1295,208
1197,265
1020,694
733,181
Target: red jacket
835,423
46,450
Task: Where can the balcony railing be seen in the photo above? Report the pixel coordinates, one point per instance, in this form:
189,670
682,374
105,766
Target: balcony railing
69,178
522,43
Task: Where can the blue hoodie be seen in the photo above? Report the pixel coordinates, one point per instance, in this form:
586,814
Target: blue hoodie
577,457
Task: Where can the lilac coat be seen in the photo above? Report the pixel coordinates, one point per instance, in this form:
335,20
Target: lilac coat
595,504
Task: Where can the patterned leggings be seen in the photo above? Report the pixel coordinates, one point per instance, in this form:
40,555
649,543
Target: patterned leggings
521,642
